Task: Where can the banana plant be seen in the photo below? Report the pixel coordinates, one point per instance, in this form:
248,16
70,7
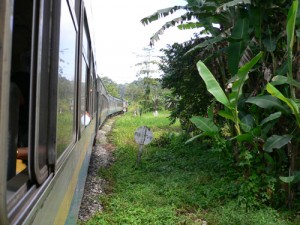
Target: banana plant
230,102
279,79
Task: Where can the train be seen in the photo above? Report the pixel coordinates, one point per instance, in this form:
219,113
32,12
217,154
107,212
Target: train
52,105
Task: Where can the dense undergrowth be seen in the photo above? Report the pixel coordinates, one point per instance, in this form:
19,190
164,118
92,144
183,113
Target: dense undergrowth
176,183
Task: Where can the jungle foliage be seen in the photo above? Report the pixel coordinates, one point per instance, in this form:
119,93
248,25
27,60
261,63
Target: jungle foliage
251,68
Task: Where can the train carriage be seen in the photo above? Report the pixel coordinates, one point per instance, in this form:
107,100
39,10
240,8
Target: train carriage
52,104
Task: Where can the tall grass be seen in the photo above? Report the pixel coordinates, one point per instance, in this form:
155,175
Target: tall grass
175,183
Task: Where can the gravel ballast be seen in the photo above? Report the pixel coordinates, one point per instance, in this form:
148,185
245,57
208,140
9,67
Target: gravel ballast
101,157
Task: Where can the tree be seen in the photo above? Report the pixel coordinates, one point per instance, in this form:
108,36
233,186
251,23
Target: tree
134,91
180,75
148,67
111,87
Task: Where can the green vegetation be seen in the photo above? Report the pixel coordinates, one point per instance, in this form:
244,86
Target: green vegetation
250,66
179,183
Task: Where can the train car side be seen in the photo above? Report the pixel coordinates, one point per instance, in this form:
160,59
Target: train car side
52,104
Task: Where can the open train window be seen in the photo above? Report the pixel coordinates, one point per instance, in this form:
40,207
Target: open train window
85,115
66,81
18,181
91,90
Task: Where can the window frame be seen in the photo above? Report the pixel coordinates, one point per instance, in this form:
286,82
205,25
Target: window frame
65,152
60,160
86,60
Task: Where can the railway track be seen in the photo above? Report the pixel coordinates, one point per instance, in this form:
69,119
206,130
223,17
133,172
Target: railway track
95,186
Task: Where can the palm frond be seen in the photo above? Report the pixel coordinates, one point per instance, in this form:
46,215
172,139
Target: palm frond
167,25
161,13
229,4
207,43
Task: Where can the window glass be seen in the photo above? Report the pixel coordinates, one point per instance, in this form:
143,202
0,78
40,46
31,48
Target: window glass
84,117
91,94
66,80
85,43
72,3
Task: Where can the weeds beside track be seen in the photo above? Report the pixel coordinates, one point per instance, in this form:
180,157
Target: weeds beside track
175,183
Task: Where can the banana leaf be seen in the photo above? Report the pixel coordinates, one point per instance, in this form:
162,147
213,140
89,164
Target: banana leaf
205,124
267,102
272,117
242,75
276,142
293,106
279,79
212,84
195,137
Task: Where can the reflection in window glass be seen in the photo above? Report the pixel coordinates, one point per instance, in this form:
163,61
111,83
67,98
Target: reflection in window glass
85,44
72,3
83,93
66,81
91,95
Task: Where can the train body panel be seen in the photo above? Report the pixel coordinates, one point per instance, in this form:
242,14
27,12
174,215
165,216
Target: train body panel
66,186
52,104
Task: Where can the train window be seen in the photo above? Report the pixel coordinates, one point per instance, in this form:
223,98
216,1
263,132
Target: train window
91,91
66,81
95,94
72,3
83,107
19,91
85,43
85,115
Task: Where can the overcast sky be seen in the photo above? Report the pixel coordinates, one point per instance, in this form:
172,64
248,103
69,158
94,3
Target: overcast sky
119,34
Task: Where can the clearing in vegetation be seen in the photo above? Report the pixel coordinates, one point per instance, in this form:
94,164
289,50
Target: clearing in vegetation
176,183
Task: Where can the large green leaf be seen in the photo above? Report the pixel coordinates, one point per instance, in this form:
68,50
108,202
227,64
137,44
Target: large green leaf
205,124
244,137
291,179
293,106
242,76
287,180
226,115
212,84
283,69
271,117
270,42
255,16
290,32
238,44
247,122
279,79
266,102
291,22
196,137
276,142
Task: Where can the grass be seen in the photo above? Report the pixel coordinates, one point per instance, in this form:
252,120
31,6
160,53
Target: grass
174,184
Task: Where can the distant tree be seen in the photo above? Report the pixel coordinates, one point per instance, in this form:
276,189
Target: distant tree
147,67
135,94
134,91
111,87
